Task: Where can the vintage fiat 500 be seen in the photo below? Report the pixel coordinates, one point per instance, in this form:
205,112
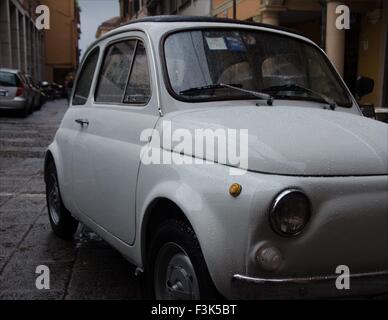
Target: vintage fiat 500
299,210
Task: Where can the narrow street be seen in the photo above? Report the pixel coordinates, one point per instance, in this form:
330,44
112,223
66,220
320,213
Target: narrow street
87,268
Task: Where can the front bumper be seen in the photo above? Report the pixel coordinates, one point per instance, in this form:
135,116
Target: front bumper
361,285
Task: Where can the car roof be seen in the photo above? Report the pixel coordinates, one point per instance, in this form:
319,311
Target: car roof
193,19
10,70
165,19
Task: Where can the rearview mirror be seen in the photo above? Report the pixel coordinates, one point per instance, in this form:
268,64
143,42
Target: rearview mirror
364,86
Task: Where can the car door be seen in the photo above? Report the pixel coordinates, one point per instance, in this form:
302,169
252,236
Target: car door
68,132
107,148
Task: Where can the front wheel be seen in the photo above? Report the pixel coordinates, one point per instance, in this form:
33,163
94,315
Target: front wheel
62,223
176,267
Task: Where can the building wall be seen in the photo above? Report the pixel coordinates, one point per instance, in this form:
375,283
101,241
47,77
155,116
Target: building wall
107,26
20,41
61,41
246,9
196,8
134,9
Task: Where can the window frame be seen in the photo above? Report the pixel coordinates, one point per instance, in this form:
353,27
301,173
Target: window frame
96,68
174,95
105,52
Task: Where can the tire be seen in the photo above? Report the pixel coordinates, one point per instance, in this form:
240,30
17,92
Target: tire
40,104
31,107
175,247
24,113
62,223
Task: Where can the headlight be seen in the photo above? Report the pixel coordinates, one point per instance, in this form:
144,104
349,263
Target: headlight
290,212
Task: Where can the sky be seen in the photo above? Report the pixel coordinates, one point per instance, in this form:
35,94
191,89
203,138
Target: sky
93,13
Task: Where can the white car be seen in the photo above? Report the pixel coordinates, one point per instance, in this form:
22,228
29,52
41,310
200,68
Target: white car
306,204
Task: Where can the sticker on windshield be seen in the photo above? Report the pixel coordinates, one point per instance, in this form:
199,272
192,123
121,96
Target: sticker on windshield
216,43
235,44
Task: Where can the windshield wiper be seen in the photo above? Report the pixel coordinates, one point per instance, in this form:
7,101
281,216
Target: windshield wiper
296,88
260,95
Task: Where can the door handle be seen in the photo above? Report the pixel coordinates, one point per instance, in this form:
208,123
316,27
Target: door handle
82,122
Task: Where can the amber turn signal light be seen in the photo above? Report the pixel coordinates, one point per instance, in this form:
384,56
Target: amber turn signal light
235,190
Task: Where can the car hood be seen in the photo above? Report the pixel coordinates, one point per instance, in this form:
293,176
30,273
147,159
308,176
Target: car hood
293,140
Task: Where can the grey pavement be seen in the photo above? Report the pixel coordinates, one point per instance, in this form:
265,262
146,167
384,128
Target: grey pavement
86,268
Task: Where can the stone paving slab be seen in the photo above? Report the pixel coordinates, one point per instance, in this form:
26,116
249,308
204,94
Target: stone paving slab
32,294
4,199
15,167
41,245
12,184
22,275
10,237
34,186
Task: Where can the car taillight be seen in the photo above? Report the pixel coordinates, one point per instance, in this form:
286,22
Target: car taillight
20,91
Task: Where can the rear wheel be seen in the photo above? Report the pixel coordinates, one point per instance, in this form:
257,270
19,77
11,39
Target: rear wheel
176,267
62,223
31,109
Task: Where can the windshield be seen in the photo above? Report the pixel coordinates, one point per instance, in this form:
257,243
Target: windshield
199,63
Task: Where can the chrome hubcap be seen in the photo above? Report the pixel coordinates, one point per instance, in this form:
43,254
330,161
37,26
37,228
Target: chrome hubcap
175,277
54,200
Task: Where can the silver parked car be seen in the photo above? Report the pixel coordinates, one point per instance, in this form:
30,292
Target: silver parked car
15,92
305,203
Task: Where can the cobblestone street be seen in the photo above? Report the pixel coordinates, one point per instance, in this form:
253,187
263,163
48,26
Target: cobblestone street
87,268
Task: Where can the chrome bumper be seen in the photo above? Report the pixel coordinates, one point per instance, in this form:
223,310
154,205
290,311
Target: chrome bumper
361,285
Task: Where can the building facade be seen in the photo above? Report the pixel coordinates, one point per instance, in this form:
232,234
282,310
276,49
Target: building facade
21,43
107,26
61,40
360,50
133,9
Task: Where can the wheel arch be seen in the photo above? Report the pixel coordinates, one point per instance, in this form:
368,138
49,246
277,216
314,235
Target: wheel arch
47,159
159,210
53,155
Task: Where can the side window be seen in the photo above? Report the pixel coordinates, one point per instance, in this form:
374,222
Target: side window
85,79
138,89
114,74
